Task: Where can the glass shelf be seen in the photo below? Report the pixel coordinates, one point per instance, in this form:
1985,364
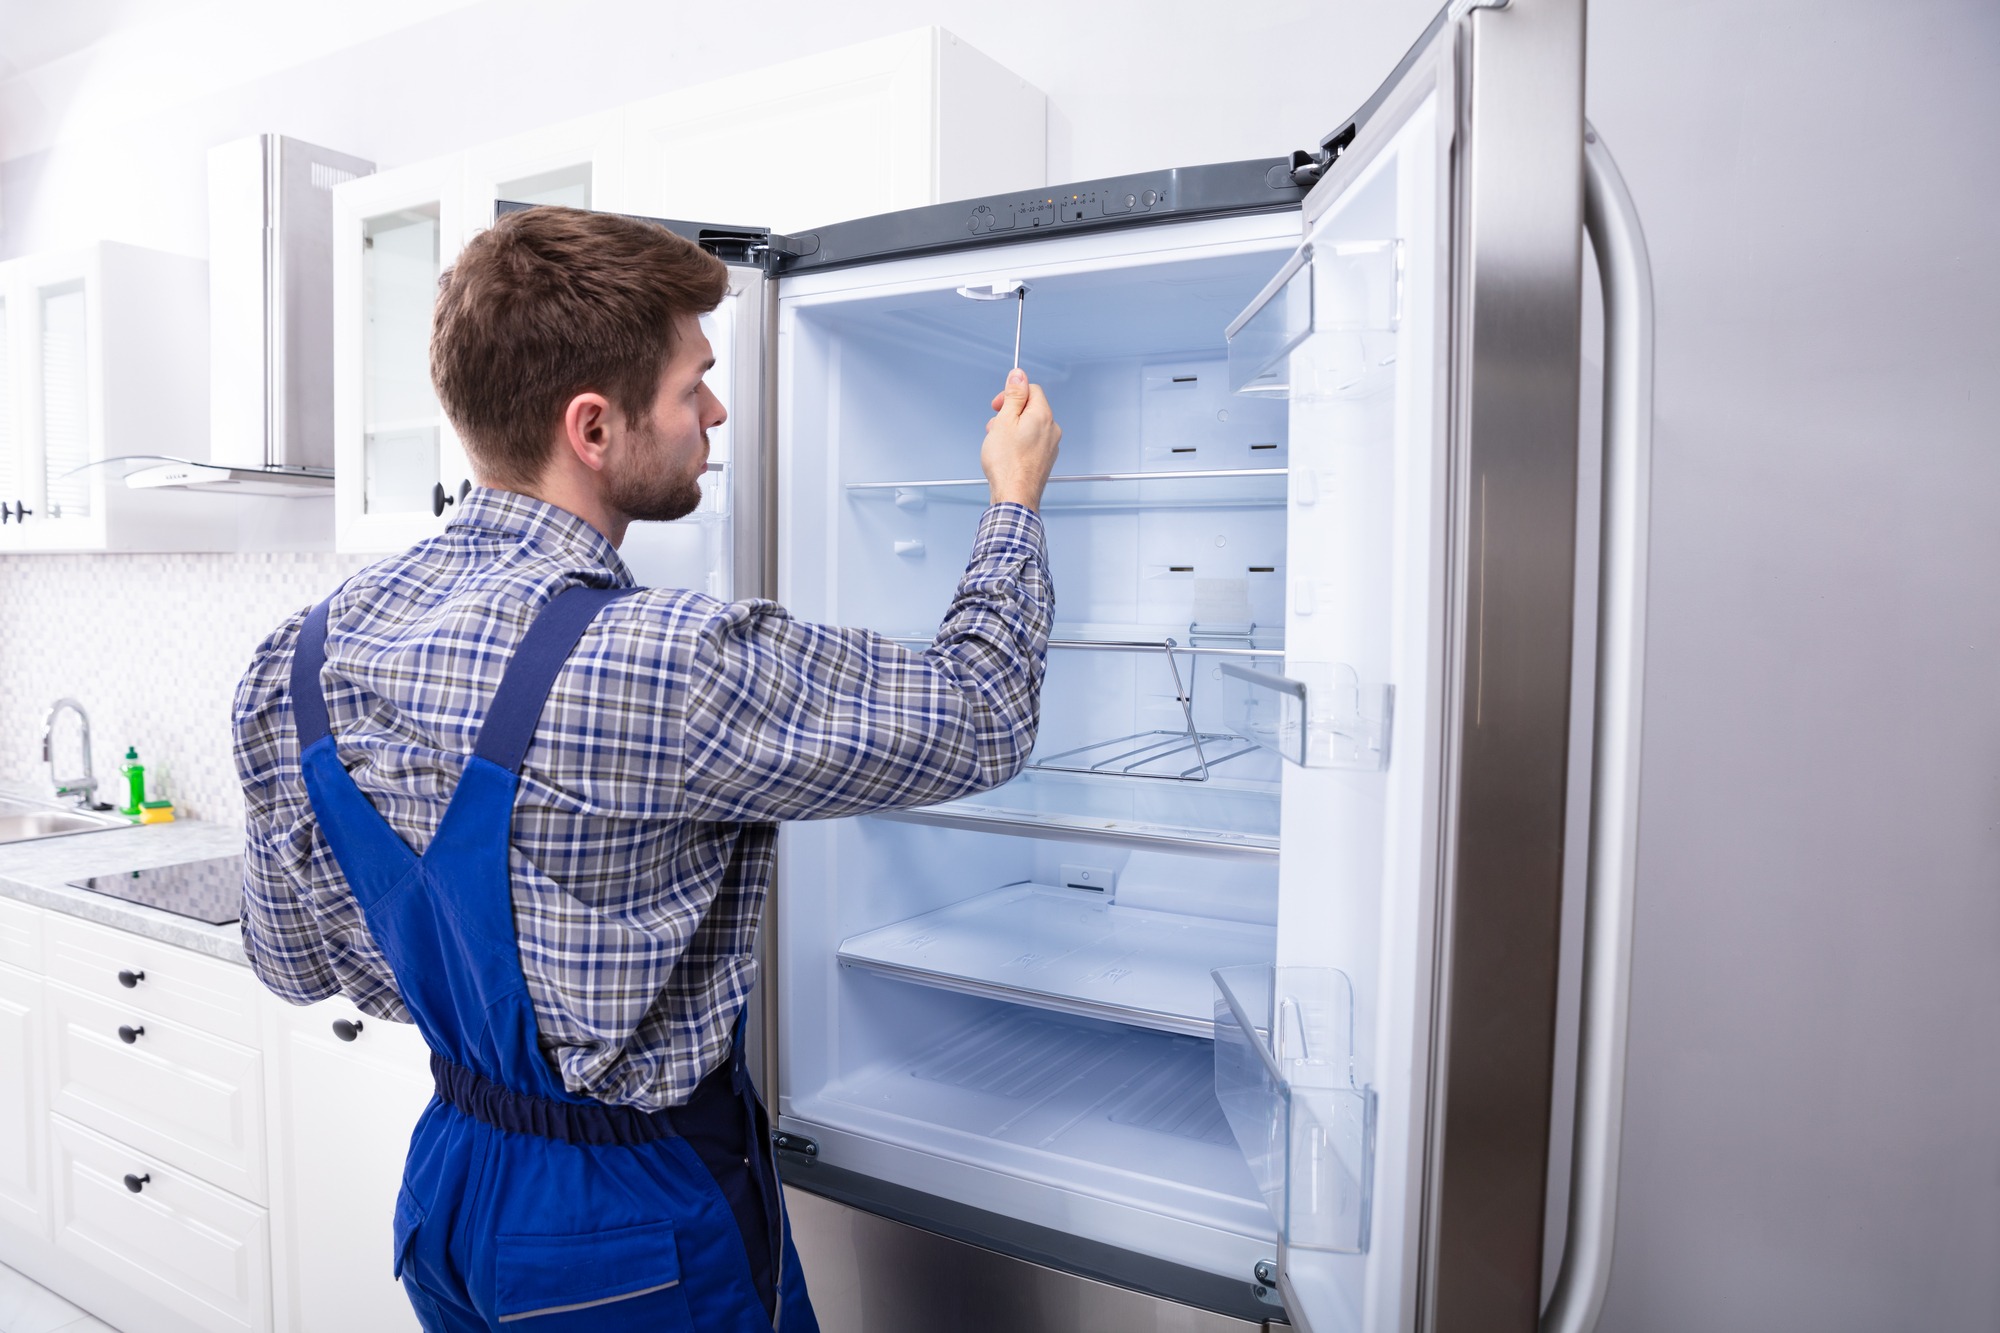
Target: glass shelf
1284,1076
1068,950
1213,488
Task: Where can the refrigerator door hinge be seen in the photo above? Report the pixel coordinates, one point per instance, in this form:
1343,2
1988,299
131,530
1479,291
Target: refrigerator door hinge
1308,167
797,1143
793,247
1264,1282
768,250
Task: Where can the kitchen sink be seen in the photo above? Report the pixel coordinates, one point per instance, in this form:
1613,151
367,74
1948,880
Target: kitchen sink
23,821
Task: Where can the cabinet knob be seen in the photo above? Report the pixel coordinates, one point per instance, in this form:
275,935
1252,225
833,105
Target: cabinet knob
345,1030
440,497
129,978
137,1183
128,1035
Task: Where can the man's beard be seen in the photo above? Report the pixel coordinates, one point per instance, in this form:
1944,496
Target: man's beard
648,496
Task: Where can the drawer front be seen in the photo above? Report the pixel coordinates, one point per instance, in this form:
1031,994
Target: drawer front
396,1049
23,1158
206,993
187,1098
20,935
196,1249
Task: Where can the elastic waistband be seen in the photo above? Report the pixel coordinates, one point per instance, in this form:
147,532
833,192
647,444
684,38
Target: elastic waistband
596,1124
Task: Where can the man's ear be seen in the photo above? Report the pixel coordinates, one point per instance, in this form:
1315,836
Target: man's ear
586,426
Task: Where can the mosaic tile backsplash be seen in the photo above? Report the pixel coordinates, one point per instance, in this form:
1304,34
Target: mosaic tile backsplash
152,646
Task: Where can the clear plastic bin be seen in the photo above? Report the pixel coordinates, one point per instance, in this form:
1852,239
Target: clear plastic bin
1284,1076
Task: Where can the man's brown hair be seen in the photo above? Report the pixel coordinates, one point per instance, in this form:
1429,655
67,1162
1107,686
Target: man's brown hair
552,302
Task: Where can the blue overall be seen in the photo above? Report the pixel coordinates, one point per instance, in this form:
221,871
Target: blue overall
523,1205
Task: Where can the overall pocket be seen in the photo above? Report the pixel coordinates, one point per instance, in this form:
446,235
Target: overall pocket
601,1280
409,1216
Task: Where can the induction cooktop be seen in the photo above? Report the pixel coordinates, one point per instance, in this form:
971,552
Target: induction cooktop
210,891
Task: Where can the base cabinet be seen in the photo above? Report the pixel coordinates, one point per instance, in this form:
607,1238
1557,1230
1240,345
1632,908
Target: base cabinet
23,1182
348,1090
232,1166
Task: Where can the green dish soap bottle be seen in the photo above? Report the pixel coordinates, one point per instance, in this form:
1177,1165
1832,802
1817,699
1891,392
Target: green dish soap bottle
135,783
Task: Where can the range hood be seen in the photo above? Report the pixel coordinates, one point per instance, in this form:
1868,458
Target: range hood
270,274
232,480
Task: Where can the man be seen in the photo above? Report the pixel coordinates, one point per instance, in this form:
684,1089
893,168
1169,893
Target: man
494,789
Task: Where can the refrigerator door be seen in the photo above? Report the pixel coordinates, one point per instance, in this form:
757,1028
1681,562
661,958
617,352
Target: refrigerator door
1388,1075
724,547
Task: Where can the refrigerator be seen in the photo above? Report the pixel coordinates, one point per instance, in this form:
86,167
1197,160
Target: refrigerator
1237,1005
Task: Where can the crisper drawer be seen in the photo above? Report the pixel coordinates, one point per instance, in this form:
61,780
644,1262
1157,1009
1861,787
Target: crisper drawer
205,993
20,935
162,1086
196,1249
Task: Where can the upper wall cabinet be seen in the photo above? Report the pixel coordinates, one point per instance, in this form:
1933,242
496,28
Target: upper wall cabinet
903,121
395,456
103,355
577,163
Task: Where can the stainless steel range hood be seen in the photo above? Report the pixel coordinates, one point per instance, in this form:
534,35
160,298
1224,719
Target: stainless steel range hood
270,267
232,480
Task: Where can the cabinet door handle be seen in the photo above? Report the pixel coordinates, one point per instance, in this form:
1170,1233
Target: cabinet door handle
440,497
137,1183
345,1030
128,1035
128,978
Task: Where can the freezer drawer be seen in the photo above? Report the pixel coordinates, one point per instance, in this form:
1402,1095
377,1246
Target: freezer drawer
870,1274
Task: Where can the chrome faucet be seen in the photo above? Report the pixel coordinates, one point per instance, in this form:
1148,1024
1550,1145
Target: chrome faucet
79,787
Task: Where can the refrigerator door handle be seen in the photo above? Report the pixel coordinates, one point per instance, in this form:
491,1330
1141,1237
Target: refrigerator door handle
1626,274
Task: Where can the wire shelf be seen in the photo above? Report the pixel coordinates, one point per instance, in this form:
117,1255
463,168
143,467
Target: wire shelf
1168,754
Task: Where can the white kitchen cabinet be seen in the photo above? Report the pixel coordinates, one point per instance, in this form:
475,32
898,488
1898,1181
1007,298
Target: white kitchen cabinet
578,163
105,353
911,119
345,1092
266,1141
24,1185
915,118
395,454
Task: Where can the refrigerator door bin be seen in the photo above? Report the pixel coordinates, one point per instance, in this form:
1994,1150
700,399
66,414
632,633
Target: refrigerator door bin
1284,1077
1320,716
1073,950
1350,287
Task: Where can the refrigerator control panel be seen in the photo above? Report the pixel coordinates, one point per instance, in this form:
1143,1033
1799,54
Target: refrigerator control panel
1054,209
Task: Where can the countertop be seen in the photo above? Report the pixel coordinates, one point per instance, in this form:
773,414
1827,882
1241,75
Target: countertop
39,872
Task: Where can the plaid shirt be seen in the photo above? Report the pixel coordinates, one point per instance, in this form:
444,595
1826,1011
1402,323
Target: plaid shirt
679,730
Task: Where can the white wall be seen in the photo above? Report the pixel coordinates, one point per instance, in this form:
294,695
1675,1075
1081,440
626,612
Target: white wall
1815,1076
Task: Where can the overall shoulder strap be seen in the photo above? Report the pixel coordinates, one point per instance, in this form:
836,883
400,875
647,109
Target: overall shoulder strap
517,705
308,656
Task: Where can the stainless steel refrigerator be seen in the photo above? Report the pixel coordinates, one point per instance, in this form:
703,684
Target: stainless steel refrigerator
1239,1003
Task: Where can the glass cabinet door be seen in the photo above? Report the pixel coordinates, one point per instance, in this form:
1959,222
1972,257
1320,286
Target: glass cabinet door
717,548
398,465
575,164
401,419
12,473
65,374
